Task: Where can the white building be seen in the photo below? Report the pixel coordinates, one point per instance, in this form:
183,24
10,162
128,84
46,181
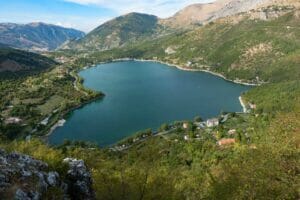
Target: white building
186,138
45,121
169,51
13,120
232,132
212,122
185,125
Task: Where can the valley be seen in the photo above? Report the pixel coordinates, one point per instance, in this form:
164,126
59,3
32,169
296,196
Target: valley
221,154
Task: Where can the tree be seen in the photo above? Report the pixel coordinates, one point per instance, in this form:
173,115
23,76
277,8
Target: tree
164,127
198,119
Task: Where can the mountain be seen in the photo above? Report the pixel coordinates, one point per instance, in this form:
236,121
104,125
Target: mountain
120,31
203,13
19,62
36,36
136,27
261,45
250,46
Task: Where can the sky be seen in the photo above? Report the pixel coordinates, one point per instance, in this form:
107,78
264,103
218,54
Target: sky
85,15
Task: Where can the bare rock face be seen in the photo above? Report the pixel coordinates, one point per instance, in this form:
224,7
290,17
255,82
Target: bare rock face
25,178
196,14
79,180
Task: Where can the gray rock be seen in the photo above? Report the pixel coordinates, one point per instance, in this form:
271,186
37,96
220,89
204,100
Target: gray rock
53,178
21,195
28,178
79,180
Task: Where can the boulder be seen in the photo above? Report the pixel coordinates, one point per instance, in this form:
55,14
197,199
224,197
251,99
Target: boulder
79,180
25,178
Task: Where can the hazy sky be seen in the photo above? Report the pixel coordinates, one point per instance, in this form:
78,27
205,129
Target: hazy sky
84,14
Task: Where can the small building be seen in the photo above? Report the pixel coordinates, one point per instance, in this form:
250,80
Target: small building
189,63
45,121
212,122
232,132
226,141
185,125
186,138
170,51
200,125
13,120
252,106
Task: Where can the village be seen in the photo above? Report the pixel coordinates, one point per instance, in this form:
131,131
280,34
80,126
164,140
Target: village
224,130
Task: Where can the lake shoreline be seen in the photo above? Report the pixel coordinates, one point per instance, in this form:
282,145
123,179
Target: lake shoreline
62,120
184,69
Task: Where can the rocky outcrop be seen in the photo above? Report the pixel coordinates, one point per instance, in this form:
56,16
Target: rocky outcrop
23,177
79,180
199,14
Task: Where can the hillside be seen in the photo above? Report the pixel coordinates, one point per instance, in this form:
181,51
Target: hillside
119,32
251,155
15,62
249,49
199,14
36,36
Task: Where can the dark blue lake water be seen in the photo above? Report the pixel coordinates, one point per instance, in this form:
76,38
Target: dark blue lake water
141,95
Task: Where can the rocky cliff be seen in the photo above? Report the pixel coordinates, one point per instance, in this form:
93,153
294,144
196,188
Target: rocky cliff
23,177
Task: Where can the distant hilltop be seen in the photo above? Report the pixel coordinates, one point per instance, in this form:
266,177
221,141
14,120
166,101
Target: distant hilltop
36,36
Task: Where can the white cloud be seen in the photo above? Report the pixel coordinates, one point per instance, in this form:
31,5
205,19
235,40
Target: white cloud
161,8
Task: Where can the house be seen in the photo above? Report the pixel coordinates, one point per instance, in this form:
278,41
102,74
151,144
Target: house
186,137
252,106
13,120
170,51
200,125
232,132
212,122
226,141
189,63
45,121
185,125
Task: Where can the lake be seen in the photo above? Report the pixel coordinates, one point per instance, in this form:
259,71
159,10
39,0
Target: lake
141,95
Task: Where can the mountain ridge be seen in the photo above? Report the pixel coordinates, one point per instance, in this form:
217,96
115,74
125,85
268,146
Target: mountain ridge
120,31
15,62
135,27
36,36
204,13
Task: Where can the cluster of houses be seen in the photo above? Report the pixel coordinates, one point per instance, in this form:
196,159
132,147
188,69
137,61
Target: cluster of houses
210,123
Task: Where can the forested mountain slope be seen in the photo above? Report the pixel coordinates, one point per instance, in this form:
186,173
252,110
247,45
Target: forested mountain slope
250,49
260,162
118,32
15,62
36,36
